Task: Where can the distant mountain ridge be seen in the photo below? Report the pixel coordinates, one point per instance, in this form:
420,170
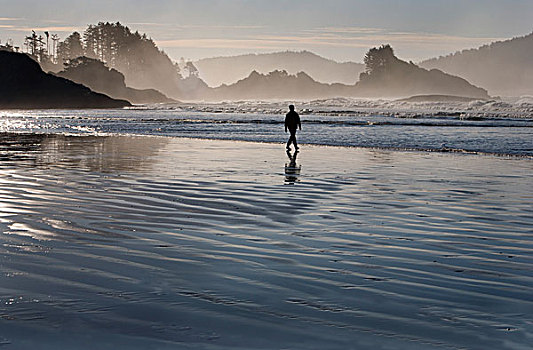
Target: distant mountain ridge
503,67
278,85
228,70
386,76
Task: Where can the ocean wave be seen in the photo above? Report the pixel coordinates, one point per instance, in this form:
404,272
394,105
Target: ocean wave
459,131
515,108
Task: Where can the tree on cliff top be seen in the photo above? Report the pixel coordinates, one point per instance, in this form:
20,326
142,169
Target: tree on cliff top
378,58
133,54
387,75
71,47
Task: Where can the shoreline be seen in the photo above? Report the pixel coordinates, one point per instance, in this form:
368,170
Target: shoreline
394,149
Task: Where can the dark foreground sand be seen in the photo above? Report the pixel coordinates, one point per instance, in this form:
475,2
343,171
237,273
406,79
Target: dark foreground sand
161,243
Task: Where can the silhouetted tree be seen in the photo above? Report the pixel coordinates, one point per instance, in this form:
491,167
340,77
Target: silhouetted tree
72,47
133,54
8,46
191,69
31,43
378,58
55,40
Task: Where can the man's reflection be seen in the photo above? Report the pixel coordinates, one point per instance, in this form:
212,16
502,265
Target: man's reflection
292,170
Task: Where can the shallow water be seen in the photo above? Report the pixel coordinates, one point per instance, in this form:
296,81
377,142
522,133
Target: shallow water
485,127
165,243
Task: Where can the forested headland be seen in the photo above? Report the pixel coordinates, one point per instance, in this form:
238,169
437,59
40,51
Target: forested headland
122,63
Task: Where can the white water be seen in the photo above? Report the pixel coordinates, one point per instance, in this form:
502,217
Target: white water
479,126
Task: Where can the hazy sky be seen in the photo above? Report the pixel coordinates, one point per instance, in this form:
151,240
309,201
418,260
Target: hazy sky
339,29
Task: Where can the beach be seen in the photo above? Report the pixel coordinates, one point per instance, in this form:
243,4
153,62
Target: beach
144,242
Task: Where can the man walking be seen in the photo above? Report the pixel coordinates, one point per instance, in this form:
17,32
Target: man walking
292,122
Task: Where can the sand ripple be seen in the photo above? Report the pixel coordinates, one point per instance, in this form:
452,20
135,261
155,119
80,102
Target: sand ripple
205,244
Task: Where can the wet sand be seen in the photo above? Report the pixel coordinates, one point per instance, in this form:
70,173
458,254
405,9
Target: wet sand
168,243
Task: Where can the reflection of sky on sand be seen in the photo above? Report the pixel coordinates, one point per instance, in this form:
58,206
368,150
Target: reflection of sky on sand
21,192
92,153
105,154
182,243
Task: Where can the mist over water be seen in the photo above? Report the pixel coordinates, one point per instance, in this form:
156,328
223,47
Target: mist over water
228,70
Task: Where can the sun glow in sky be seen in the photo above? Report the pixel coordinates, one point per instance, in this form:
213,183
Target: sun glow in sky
339,29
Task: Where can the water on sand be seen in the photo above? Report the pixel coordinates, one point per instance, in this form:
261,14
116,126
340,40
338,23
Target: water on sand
390,125
164,243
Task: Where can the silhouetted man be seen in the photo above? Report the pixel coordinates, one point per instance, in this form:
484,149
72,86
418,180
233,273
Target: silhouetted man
292,122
